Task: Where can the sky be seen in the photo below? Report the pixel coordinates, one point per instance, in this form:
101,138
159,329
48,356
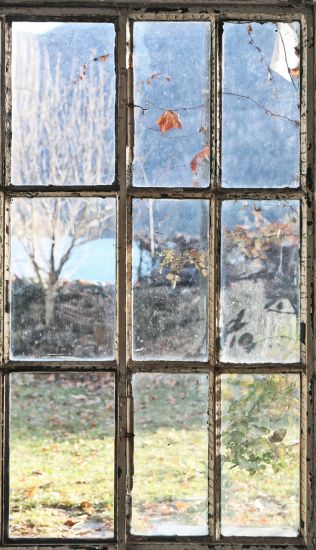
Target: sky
93,261
36,28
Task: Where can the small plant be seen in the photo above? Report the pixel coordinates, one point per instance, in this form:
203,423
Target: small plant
175,262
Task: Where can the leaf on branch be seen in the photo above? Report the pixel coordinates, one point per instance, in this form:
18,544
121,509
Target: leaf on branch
82,75
278,435
295,72
155,76
168,121
176,262
103,57
205,153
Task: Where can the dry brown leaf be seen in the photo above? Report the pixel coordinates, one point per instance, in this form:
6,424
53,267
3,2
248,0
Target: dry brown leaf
87,507
30,492
204,153
70,522
295,72
181,506
102,57
155,76
83,73
168,121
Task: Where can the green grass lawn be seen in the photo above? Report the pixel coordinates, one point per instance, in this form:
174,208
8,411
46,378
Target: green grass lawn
62,460
62,455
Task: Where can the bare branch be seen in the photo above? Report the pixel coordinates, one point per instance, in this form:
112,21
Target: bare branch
265,109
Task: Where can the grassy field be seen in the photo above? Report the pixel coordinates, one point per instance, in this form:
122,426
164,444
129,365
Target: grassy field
62,460
62,455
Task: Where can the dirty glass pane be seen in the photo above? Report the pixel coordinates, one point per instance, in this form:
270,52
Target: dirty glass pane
63,277
61,455
63,104
172,98
170,454
260,277
261,105
170,279
260,450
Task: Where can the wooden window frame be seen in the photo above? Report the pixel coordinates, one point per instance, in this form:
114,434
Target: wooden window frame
123,13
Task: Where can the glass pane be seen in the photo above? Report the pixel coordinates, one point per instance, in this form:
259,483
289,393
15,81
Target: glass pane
261,105
170,279
170,454
260,434
172,98
63,104
63,277
62,455
260,296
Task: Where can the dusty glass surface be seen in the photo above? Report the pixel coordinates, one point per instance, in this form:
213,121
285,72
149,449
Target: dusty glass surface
260,450
63,104
172,98
170,454
63,277
61,455
260,281
261,105
170,279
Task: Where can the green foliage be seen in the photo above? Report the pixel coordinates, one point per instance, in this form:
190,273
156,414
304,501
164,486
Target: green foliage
260,414
175,262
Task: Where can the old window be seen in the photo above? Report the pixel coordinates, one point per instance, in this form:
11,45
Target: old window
157,260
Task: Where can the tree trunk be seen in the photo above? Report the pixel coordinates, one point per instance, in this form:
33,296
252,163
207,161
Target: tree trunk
50,306
204,298
151,227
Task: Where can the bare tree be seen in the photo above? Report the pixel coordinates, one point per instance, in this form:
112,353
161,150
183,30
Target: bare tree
63,133
50,228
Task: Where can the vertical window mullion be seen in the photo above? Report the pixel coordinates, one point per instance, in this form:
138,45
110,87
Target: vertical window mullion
213,472
308,282
6,107
129,271
121,469
6,104
214,402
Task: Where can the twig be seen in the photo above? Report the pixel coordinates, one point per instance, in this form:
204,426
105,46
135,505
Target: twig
168,136
144,109
267,111
262,58
170,170
154,106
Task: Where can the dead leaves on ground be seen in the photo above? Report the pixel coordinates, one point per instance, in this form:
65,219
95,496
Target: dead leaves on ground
70,522
87,507
30,491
